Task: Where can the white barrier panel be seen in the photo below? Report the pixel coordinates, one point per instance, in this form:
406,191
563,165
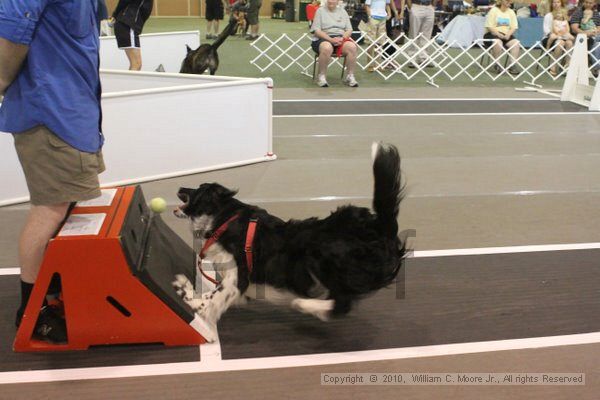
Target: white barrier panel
166,49
122,82
194,125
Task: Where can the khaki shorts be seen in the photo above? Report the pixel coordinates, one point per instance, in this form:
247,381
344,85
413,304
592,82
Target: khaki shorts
376,31
55,171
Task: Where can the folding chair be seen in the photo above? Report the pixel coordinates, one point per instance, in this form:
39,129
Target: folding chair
316,60
485,58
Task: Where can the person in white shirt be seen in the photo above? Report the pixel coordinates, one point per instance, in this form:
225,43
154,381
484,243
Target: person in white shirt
379,11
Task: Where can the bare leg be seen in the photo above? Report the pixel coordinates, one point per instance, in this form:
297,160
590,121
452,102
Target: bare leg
325,51
513,45
496,51
568,46
349,50
135,58
42,223
558,50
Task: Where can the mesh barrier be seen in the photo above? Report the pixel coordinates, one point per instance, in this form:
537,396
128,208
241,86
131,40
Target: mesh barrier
444,60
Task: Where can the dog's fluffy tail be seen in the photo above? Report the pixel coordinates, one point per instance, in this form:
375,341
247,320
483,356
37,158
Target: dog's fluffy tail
229,30
388,187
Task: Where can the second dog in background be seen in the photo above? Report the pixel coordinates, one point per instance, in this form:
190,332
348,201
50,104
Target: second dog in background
206,57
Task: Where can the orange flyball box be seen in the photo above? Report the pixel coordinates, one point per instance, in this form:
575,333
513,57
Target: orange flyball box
116,261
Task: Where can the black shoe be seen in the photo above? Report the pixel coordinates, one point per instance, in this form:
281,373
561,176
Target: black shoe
50,326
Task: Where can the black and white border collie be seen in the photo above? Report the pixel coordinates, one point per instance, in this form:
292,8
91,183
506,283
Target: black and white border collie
316,266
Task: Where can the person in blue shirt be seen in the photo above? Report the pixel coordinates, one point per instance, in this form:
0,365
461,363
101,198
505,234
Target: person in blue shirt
49,78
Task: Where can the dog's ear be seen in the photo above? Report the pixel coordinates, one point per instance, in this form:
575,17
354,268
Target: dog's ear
222,193
188,49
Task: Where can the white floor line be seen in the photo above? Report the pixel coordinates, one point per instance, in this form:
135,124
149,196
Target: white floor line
505,250
295,361
10,271
572,113
210,353
409,100
439,253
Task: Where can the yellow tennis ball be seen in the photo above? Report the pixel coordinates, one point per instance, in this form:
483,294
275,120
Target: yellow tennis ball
158,205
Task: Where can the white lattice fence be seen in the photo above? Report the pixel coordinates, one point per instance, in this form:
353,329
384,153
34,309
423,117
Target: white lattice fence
444,61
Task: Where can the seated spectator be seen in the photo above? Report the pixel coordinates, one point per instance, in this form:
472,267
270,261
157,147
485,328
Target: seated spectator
332,30
556,31
585,20
311,10
500,25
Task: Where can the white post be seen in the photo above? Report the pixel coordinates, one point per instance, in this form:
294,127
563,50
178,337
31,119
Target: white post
578,69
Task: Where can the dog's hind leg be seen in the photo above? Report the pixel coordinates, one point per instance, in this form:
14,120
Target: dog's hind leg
273,295
319,308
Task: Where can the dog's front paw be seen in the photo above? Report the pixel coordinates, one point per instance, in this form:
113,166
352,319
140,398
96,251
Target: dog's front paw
197,305
183,287
210,334
207,329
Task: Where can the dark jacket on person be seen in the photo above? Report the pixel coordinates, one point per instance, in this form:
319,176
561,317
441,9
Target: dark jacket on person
133,13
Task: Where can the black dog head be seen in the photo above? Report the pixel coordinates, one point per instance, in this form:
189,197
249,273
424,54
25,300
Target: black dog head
208,200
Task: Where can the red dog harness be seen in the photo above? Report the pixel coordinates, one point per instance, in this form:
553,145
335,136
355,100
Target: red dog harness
248,249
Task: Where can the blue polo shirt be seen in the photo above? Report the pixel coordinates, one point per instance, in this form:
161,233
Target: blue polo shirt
59,84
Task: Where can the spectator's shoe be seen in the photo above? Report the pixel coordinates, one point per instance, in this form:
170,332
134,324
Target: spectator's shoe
251,37
514,71
322,81
50,326
371,69
497,69
350,81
